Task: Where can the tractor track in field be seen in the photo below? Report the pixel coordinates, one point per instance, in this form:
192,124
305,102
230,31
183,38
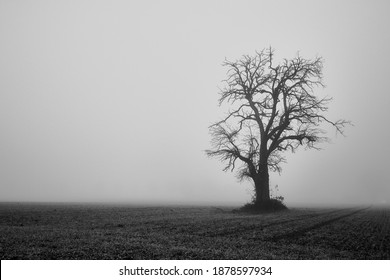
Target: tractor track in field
302,231
266,225
385,234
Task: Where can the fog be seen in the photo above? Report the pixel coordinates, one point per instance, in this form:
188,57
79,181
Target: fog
110,101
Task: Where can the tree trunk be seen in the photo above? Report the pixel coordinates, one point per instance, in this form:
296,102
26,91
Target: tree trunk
261,181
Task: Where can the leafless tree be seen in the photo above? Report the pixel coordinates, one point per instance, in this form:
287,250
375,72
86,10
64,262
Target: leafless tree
273,109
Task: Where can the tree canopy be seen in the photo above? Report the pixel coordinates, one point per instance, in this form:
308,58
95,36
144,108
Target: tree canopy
273,109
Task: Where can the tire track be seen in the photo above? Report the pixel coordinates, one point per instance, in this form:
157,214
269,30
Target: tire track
260,226
298,232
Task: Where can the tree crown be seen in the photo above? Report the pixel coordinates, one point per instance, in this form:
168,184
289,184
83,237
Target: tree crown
273,109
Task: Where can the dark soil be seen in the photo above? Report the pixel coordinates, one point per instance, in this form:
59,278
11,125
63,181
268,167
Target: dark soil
36,231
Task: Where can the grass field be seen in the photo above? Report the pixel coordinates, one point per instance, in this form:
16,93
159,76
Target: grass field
39,231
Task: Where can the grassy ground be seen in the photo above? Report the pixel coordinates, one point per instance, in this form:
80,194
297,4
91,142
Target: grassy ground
33,231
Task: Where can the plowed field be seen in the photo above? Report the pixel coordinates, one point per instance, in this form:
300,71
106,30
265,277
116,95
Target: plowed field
32,231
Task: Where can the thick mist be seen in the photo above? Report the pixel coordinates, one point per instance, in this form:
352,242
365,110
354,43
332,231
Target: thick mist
110,101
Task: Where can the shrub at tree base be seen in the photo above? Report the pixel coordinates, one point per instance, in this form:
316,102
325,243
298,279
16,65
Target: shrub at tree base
272,205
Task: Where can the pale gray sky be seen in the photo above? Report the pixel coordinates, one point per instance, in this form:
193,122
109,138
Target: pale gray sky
111,100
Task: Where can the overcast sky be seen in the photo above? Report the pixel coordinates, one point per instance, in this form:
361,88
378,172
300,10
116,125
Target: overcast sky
111,100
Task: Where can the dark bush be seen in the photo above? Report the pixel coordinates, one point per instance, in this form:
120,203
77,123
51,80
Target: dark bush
273,205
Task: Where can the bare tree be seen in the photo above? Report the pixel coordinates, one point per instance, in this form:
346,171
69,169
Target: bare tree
273,109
